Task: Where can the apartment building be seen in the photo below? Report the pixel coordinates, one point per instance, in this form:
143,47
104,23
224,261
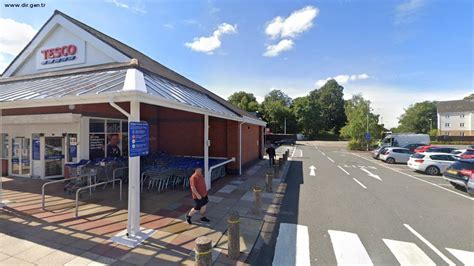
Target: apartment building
456,118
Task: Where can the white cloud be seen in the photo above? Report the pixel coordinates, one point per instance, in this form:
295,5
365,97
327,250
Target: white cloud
288,28
135,8
342,79
14,35
209,44
298,22
407,12
168,26
283,45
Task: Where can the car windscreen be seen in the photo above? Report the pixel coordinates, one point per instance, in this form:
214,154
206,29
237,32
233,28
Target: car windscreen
418,156
469,152
462,166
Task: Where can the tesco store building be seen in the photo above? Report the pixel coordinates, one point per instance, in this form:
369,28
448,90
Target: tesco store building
73,90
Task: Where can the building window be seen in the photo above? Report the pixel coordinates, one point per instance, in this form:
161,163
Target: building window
462,133
461,124
4,146
446,116
107,138
446,124
461,115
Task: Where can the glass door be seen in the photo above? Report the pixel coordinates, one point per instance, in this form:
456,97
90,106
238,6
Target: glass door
21,164
54,156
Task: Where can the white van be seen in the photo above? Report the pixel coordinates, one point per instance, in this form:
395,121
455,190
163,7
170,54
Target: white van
401,140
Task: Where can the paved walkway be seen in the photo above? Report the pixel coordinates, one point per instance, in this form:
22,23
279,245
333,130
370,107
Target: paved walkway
30,235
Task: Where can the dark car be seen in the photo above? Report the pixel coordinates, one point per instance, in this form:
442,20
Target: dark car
440,149
412,147
376,153
285,142
461,175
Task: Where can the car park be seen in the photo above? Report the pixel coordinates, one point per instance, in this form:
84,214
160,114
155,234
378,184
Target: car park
468,154
461,175
431,163
412,147
423,148
440,149
396,155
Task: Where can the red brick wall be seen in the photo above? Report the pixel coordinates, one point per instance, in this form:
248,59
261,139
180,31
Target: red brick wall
218,137
233,143
250,143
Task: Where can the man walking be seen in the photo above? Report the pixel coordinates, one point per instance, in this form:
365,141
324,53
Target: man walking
199,194
271,154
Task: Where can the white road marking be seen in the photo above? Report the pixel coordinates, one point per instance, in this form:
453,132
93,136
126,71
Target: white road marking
414,177
311,170
323,153
431,246
408,253
330,159
343,170
371,174
293,153
358,182
346,165
292,247
466,257
301,153
348,249
353,166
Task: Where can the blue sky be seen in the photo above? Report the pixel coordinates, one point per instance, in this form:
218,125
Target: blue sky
394,53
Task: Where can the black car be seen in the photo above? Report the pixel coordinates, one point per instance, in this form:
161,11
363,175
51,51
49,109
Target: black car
440,149
461,175
412,147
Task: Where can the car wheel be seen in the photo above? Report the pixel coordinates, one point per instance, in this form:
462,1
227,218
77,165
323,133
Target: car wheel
390,160
470,191
432,170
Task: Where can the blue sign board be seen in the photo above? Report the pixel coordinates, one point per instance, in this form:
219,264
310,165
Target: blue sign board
138,138
36,149
368,137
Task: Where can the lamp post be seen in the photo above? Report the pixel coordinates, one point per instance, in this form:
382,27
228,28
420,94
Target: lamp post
431,124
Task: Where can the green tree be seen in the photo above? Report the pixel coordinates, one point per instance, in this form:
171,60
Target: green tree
244,100
469,97
358,113
275,109
330,99
418,118
307,115
278,96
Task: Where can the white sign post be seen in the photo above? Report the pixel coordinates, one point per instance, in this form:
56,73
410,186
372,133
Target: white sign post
2,203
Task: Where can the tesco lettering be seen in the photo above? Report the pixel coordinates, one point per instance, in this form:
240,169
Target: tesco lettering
59,54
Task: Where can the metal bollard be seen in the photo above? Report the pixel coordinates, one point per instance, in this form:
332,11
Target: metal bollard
203,252
257,200
233,234
276,172
269,182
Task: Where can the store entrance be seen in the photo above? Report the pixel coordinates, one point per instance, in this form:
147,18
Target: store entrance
54,157
20,161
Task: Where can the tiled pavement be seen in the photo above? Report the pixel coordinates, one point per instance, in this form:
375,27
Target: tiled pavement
30,235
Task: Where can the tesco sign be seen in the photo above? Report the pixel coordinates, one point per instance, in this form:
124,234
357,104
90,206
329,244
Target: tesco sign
60,55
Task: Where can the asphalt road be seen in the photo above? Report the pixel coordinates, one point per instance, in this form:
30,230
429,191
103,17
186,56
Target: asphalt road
357,210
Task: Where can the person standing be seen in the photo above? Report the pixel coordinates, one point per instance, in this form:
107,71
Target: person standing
199,194
271,154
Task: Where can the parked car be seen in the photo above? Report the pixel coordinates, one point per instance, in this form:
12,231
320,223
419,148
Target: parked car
468,154
431,163
412,147
403,139
396,155
461,175
440,149
458,152
470,147
422,149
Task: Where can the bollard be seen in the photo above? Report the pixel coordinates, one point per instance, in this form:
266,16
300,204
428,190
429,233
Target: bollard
257,200
233,235
276,172
280,163
203,252
269,182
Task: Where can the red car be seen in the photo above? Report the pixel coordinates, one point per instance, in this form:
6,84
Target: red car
468,154
422,149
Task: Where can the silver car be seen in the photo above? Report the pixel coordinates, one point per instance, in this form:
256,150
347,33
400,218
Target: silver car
395,155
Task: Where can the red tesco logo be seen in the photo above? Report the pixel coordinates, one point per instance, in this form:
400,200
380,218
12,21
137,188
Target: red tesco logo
58,52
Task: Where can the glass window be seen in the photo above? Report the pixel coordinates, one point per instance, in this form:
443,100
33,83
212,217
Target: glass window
4,145
96,146
125,126
113,126
96,125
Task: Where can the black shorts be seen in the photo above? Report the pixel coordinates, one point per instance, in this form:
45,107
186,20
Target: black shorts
198,203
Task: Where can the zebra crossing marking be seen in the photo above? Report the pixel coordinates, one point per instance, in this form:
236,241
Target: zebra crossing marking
292,247
408,253
466,257
348,249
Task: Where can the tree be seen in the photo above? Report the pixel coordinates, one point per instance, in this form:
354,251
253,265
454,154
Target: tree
244,100
307,115
469,97
418,118
359,114
330,99
278,96
275,109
